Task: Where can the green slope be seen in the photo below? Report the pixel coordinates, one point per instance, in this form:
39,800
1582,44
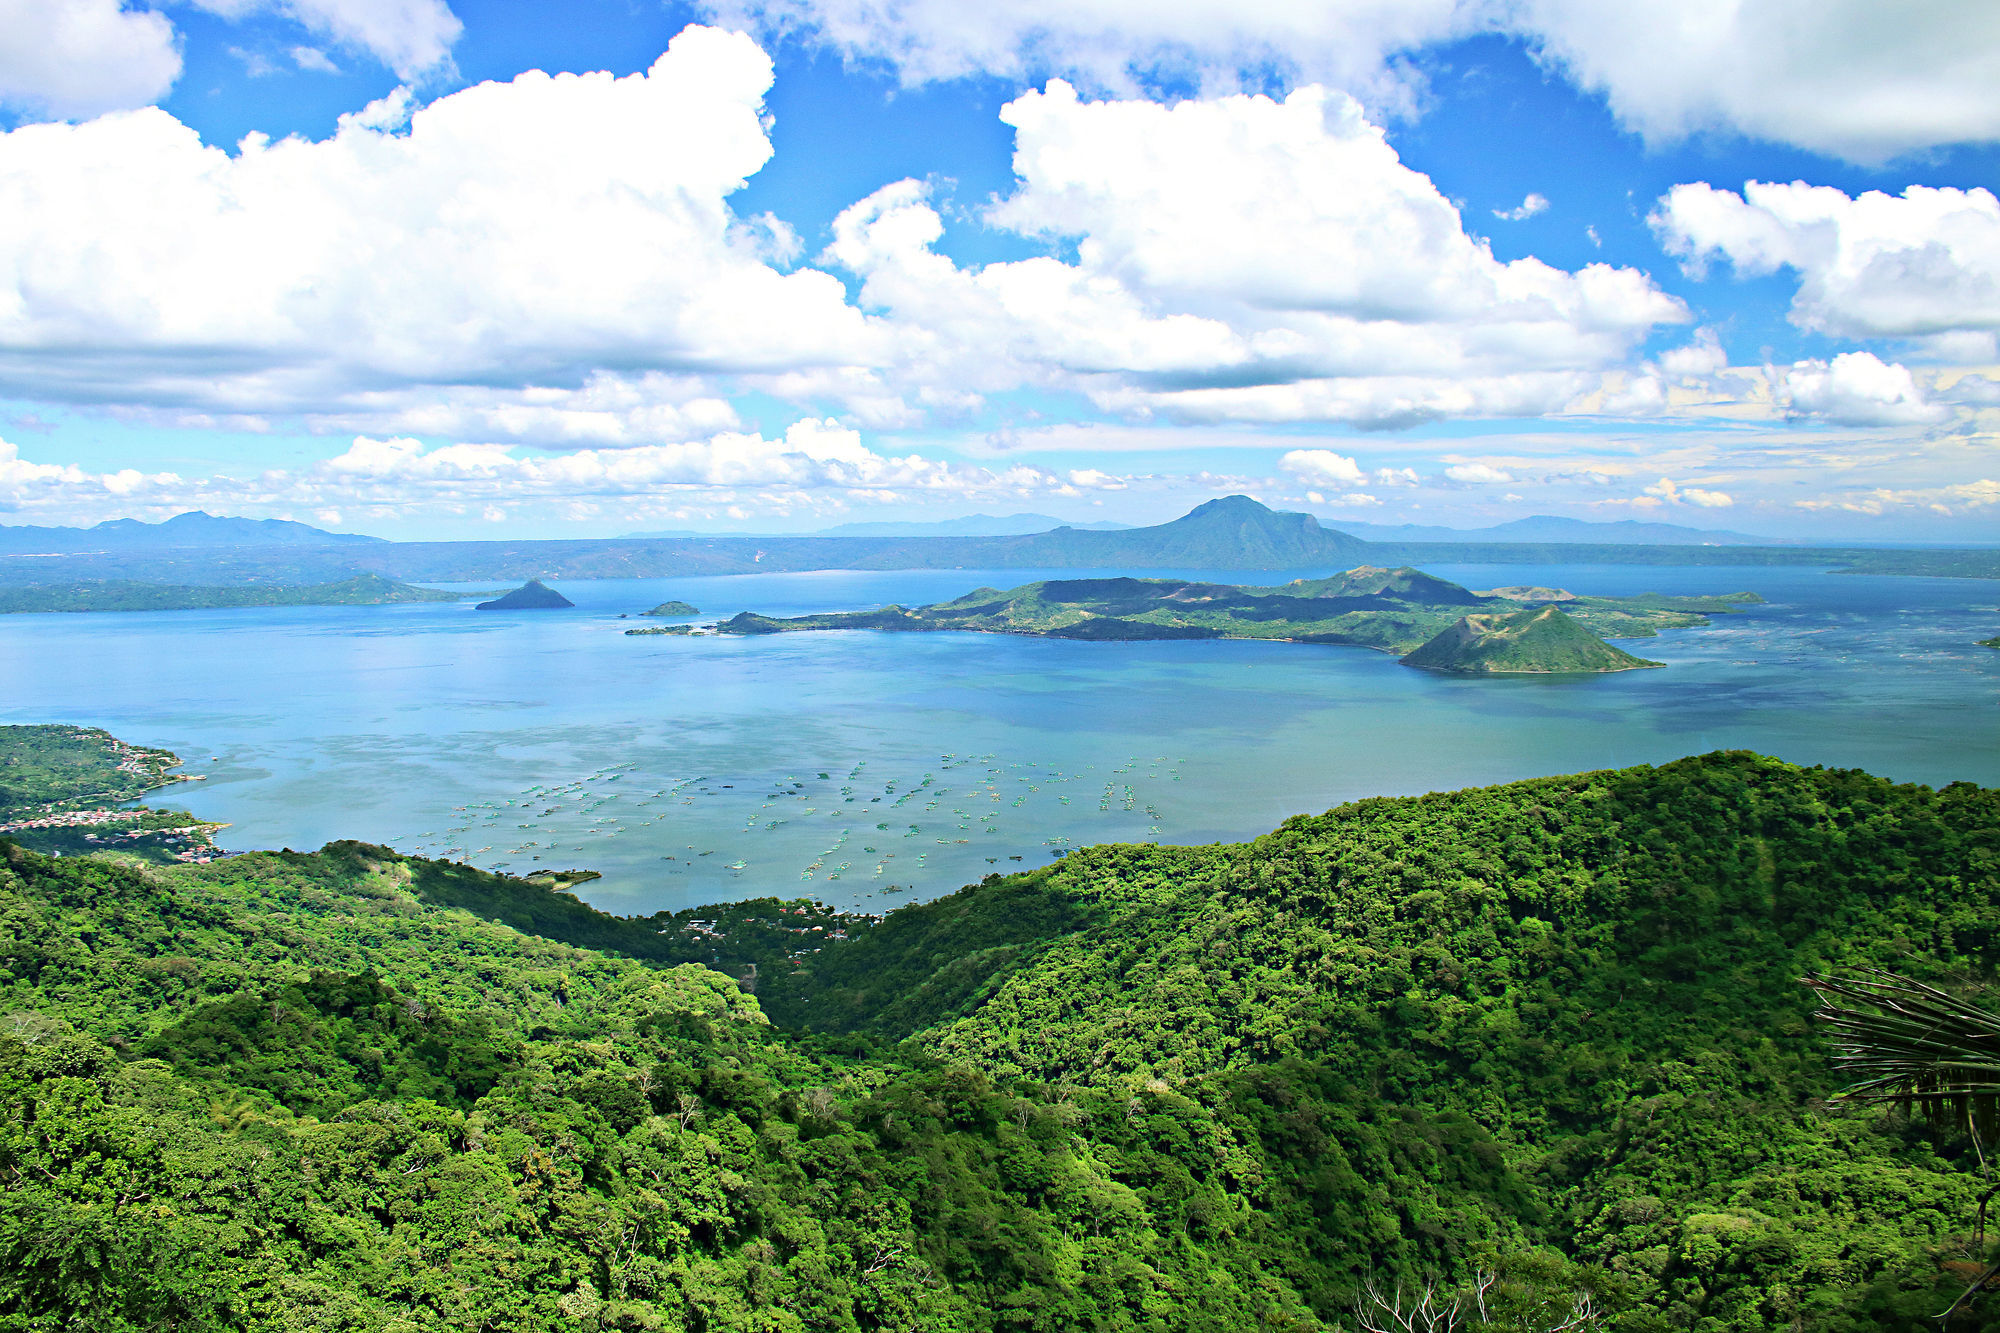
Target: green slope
1551,1029
116,595
66,790
534,595
1539,640
1393,610
55,767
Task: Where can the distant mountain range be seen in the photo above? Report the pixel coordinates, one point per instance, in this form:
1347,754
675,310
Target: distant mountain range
1234,533
972,525
1549,528
194,529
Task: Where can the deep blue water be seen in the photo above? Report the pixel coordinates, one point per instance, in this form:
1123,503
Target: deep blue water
550,739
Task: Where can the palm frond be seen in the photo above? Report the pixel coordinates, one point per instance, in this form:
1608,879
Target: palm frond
1914,1045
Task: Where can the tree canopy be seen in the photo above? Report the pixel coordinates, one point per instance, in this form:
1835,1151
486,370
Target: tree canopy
1550,1033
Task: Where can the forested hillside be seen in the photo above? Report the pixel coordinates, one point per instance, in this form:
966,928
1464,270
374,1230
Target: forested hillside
1550,1032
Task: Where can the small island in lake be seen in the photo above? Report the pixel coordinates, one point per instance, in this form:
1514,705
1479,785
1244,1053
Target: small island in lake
675,608
1536,640
534,595
1993,642
1429,621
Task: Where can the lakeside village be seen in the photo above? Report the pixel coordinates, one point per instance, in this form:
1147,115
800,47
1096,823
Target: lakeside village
193,843
70,788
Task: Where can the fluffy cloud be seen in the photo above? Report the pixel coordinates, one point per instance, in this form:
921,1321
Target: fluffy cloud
816,463
1107,43
1922,265
1948,501
1239,258
605,410
515,236
812,454
1667,490
409,36
1859,389
1851,78
81,57
23,482
1527,208
1476,474
1854,78
1322,467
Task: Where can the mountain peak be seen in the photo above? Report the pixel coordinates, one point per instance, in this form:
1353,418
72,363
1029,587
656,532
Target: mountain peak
1237,506
194,529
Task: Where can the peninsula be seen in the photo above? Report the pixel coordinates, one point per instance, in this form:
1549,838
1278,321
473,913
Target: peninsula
534,595
1425,620
67,790
132,595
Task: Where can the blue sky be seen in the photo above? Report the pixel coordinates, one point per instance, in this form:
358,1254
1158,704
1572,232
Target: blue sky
791,263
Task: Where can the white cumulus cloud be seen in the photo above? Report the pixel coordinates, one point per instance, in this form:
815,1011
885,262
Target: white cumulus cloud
1108,43
1666,489
411,37
1476,474
1239,258
817,463
1921,265
1854,78
69,58
515,236
1322,467
1851,78
1859,389
1945,501
1526,209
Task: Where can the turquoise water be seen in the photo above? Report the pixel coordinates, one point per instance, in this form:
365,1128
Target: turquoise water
867,769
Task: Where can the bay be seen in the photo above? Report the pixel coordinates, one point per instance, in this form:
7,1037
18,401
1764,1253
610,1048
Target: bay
868,769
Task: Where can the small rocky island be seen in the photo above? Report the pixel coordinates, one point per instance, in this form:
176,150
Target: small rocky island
534,595
1539,640
1425,620
675,608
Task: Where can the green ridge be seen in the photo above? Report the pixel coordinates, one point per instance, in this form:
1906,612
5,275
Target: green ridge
1551,1030
124,595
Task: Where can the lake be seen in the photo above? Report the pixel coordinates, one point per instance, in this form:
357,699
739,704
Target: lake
868,769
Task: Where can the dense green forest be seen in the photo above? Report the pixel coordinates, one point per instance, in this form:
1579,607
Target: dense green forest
1546,1037
56,767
